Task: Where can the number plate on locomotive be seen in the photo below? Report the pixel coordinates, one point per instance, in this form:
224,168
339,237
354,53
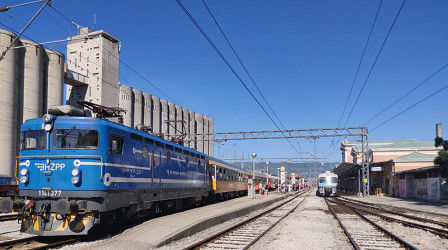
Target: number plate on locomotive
50,193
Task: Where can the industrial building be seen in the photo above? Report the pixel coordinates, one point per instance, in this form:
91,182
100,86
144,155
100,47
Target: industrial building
32,80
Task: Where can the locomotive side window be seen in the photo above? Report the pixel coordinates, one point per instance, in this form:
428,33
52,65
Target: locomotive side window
33,139
116,145
75,138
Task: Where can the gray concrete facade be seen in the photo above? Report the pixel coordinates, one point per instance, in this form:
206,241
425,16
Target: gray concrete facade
192,128
138,108
199,130
179,125
164,116
156,115
147,110
55,79
206,138
171,125
126,102
9,83
211,146
186,118
94,54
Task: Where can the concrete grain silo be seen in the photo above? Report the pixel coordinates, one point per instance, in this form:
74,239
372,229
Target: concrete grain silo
171,117
211,138
156,115
126,102
54,79
192,130
32,93
206,138
200,130
186,118
147,110
164,117
138,108
180,128
9,84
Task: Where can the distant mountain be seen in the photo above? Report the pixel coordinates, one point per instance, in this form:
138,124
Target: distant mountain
309,170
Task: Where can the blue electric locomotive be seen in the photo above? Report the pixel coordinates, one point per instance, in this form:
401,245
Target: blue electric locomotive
77,172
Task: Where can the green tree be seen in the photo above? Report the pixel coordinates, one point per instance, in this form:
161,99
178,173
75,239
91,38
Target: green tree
442,159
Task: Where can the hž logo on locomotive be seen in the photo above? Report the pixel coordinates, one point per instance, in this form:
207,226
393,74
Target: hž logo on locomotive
50,167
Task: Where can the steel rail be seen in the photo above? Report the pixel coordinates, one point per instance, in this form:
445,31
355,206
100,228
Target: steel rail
8,217
444,224
37,240
377,226
246,221
437,231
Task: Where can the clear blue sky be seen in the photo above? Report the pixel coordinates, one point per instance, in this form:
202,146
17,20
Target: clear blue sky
302,54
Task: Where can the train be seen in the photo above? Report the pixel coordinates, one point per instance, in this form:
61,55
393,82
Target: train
327,184
77,173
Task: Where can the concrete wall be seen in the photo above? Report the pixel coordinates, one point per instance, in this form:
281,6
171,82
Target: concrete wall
179,124
97,58
33,80
164,116
171,117
186,118
156,115
206,138
54,79
199,130
147,110
9,84
211,143
192,129
138,108
126,102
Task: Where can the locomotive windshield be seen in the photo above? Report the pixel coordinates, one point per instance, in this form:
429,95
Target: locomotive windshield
33,139
75,138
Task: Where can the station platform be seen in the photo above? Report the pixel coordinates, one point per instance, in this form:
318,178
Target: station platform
163,230
439,208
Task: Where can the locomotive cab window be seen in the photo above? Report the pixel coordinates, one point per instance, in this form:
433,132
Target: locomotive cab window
75,138
33,139
116,145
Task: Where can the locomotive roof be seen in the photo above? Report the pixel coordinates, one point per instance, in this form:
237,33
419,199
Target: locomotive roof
82,121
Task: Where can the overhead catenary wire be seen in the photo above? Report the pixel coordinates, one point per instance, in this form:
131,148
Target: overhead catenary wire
229,66
407,94
410,107
23,29
360,62
375,61
244,66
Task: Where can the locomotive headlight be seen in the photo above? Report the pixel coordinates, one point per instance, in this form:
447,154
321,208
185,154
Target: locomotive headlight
75,171
75,180
47,118
23,171
23,179
48,127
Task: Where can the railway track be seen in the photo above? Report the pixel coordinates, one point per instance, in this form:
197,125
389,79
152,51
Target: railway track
37,242
362,232
436,227
249,231
7,217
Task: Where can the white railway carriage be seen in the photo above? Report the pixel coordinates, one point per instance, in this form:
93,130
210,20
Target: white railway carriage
327,184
